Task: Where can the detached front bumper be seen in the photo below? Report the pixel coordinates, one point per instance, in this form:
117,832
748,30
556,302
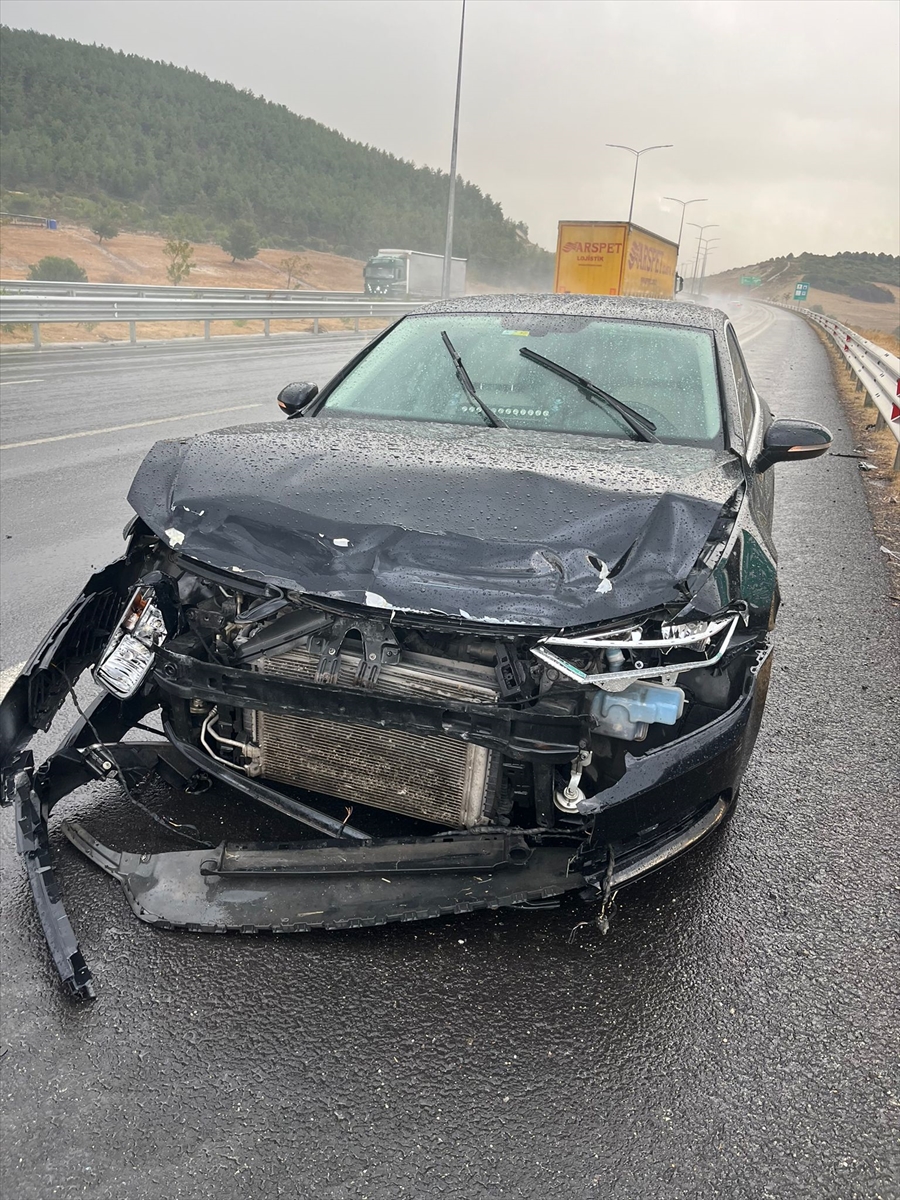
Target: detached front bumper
666,801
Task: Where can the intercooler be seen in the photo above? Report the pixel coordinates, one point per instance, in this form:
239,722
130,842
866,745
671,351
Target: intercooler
437,779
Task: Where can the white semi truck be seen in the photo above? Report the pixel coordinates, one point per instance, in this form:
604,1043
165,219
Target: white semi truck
412,274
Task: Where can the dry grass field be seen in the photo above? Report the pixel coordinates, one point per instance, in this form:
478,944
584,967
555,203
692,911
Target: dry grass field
139,258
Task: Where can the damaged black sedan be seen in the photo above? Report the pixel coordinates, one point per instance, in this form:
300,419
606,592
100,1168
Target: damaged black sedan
488,617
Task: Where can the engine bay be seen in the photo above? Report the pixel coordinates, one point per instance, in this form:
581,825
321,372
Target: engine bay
418,715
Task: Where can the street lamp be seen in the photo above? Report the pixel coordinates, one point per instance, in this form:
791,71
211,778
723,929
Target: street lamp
705,247
684,204
448,243
710,245
637,158
703,229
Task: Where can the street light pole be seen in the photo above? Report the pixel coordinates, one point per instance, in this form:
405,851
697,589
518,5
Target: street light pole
703,251
703,229
709,246
448,243
684,204
637,159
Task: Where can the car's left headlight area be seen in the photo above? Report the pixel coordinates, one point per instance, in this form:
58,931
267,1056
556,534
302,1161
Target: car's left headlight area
129,654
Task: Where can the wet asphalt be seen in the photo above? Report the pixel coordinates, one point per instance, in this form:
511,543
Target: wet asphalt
734,1035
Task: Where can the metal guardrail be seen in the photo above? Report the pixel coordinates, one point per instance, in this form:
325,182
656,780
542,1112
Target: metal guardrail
40,287
877,371
44,310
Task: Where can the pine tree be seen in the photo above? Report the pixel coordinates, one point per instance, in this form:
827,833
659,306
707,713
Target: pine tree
241,241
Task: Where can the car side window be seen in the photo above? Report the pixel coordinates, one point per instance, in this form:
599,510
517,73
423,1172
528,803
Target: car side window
742,379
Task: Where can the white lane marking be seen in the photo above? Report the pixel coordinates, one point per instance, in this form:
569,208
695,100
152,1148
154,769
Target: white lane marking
13,382
9,677
154,356
757,332
64,437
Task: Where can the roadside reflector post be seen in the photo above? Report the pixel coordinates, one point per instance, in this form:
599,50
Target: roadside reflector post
206,330
132,332
36,335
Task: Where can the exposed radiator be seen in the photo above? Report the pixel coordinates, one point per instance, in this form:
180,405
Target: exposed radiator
437,779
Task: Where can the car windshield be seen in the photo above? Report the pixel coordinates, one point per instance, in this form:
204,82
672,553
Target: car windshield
667,373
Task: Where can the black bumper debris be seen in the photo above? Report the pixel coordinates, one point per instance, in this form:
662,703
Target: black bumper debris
254,889
33,843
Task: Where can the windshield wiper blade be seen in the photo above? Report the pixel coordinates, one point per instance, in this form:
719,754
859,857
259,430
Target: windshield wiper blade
637,422
468,386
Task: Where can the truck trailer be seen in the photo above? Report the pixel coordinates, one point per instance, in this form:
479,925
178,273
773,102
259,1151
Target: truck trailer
412,274
613,258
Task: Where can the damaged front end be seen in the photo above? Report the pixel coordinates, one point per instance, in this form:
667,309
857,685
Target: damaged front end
432,764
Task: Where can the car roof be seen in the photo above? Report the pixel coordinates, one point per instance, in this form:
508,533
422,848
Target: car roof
663,312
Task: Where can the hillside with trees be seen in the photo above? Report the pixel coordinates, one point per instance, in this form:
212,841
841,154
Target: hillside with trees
857,287
166,149
858,274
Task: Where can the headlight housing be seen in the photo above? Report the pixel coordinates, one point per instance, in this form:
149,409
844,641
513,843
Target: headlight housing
130,652
614,677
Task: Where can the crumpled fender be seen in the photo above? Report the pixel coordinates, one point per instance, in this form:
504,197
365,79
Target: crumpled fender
72,644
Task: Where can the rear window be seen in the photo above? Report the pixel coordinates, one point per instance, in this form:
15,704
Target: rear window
666,373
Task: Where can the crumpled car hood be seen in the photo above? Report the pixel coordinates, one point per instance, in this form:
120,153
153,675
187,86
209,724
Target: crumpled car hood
494,525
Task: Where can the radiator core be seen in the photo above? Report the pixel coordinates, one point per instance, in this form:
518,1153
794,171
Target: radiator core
431,778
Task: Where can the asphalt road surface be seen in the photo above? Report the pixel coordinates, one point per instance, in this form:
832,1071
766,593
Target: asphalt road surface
734,1035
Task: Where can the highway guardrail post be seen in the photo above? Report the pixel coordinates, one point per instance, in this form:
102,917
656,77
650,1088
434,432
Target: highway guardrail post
132,332
206,331
266,330
36,334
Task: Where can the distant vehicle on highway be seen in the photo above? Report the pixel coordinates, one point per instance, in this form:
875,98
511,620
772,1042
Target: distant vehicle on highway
412,274
490,615
614,258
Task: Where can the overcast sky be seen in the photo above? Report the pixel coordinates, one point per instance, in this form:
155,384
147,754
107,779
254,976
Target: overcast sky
784,113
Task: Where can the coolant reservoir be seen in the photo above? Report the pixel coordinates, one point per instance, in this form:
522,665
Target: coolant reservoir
630,713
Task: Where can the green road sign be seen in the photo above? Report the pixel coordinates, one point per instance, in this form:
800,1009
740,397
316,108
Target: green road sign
750,281
801,291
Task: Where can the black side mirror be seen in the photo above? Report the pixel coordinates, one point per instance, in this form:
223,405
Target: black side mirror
788,441
296,396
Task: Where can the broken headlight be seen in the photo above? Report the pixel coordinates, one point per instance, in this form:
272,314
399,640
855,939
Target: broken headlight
129,653
610,672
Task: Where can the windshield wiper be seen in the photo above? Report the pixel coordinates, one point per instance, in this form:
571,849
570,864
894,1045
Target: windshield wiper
642,426
468,386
